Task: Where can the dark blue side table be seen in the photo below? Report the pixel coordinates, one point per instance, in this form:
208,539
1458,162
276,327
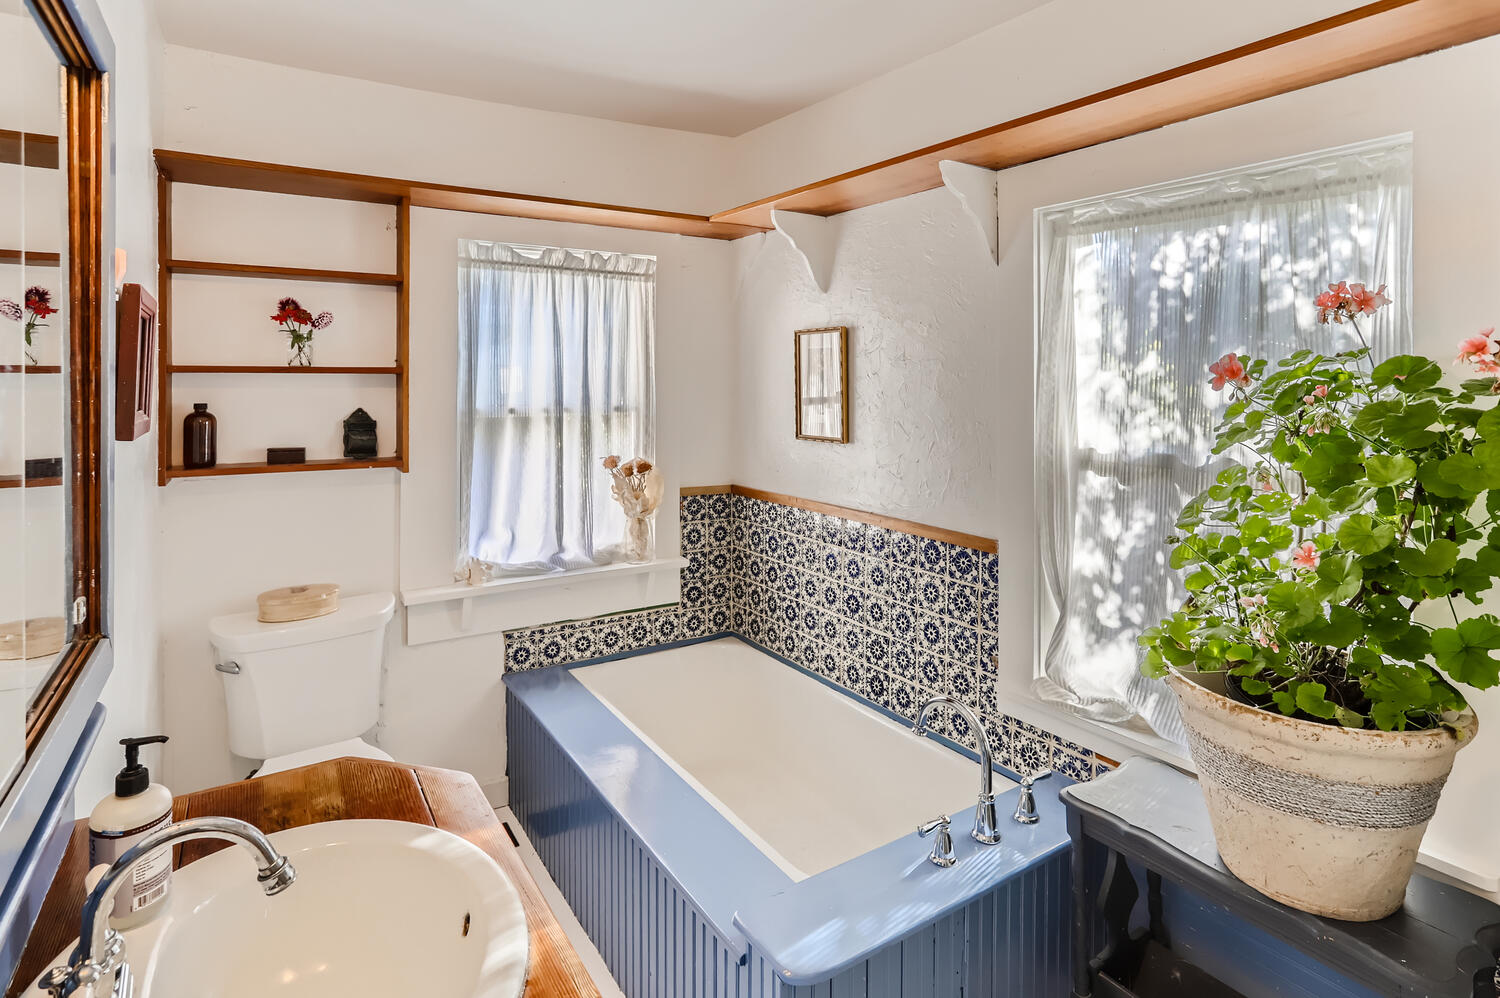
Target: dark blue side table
1148,817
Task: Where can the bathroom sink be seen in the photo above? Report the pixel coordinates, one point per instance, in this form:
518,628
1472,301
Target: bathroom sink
379,908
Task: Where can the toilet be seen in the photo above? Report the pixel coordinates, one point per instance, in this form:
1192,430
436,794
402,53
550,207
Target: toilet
303,691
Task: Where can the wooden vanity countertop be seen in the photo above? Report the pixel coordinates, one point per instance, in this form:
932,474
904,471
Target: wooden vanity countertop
331,791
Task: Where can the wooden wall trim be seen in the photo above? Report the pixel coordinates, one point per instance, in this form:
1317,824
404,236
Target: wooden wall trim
986,544
1367,37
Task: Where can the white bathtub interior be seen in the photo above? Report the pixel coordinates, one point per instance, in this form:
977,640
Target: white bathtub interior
810,776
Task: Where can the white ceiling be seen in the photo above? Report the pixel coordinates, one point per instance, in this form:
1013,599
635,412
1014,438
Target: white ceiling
718,66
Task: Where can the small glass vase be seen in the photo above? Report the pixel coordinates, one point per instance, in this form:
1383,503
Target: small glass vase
639,538
301,352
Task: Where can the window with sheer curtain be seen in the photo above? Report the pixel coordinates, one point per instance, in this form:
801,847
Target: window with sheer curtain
556,371
1138,293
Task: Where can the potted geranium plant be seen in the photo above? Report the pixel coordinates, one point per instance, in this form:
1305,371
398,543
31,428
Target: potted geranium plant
1333,573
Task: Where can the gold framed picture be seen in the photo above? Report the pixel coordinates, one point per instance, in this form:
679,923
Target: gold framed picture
822,363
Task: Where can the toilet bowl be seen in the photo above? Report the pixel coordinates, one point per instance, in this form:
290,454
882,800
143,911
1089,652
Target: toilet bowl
304,691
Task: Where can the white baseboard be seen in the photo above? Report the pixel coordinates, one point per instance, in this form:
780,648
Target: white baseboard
497,792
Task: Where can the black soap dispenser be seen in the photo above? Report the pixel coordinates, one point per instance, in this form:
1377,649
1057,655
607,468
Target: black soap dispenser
137,808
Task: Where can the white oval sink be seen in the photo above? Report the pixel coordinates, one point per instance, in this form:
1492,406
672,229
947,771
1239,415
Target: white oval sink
380,909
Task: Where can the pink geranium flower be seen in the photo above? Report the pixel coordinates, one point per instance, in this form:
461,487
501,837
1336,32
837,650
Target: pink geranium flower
1228,370
1365,301
1477,347
1307,556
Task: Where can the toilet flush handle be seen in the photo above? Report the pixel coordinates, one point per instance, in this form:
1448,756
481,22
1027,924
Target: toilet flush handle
228,668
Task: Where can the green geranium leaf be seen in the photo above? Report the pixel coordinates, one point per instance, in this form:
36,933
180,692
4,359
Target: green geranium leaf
1389,469
1438,559
1464,651
1410,427
1365,535
1312,698
1407,373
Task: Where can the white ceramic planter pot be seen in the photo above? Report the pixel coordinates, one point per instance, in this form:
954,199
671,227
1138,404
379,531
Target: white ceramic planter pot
1323,818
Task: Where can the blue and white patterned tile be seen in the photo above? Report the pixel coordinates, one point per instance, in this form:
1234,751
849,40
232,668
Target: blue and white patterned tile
693,536
638,631
903,660
551,649
963,604
878,687
1073,765
718,620
1028,753
852,641
878,651
852,604
854,569
931,675
963,564
853,536
961,684
989,567
905,698
877,540
932,593
582,644
720,506
904,549
963,644
932,636
877,576
903,584
719,533
693,508
877,613
933,556
854,675
901,622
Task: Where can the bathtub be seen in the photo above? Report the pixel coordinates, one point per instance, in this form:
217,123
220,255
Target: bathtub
725,824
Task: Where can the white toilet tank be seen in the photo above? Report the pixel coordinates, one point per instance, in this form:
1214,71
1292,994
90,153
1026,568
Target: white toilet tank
297,685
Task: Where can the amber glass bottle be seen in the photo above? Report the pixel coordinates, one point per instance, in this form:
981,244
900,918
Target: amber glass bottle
200,438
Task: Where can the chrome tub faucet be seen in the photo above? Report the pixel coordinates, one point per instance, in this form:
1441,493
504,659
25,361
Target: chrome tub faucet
97,966
986,822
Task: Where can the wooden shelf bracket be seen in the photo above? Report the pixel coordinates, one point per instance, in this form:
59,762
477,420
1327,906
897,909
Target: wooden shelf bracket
978,191
814,237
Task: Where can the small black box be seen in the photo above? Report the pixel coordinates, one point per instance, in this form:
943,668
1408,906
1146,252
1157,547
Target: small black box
286,455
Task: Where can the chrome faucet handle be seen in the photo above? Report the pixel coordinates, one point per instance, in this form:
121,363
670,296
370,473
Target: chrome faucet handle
1026,805
942,846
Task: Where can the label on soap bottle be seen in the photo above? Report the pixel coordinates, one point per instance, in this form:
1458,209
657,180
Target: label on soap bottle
152,876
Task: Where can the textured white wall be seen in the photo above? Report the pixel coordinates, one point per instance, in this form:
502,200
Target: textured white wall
133,694
941,338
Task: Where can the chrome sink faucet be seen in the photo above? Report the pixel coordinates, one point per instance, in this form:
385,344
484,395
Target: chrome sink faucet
97,966
986,822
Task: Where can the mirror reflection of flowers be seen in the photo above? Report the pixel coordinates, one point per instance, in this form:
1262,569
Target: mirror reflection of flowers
637,486
38,306
299,324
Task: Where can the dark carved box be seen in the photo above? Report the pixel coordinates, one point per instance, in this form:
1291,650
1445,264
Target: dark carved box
359,435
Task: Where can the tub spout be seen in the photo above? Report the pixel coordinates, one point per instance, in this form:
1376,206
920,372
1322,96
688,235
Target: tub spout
986,821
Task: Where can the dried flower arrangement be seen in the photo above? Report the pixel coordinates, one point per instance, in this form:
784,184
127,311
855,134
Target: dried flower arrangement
637,486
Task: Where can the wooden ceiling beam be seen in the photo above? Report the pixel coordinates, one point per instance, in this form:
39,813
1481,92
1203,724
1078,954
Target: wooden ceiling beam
1367,37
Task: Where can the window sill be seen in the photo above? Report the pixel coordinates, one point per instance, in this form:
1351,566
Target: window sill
1119,743
458,610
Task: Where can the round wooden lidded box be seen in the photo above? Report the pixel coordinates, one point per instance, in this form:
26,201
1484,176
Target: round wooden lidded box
278,606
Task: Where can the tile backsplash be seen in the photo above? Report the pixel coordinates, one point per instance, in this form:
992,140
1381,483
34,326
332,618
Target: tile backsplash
890,616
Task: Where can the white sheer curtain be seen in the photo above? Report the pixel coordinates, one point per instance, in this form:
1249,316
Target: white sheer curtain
1139,293
555,371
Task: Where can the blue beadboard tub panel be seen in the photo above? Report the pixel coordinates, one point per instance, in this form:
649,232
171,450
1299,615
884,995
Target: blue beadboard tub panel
1009,943
844,917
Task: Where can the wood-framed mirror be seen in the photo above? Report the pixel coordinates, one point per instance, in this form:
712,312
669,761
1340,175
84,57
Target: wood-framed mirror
56,304
822,365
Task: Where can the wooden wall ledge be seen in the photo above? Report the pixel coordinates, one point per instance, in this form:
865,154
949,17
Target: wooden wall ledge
1364,38
1367,37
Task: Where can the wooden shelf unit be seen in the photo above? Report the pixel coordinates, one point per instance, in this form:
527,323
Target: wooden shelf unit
171,168
16,482
30,368
30,258
262,468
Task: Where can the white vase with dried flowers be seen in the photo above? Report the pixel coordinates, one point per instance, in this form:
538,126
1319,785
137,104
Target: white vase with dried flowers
637,486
